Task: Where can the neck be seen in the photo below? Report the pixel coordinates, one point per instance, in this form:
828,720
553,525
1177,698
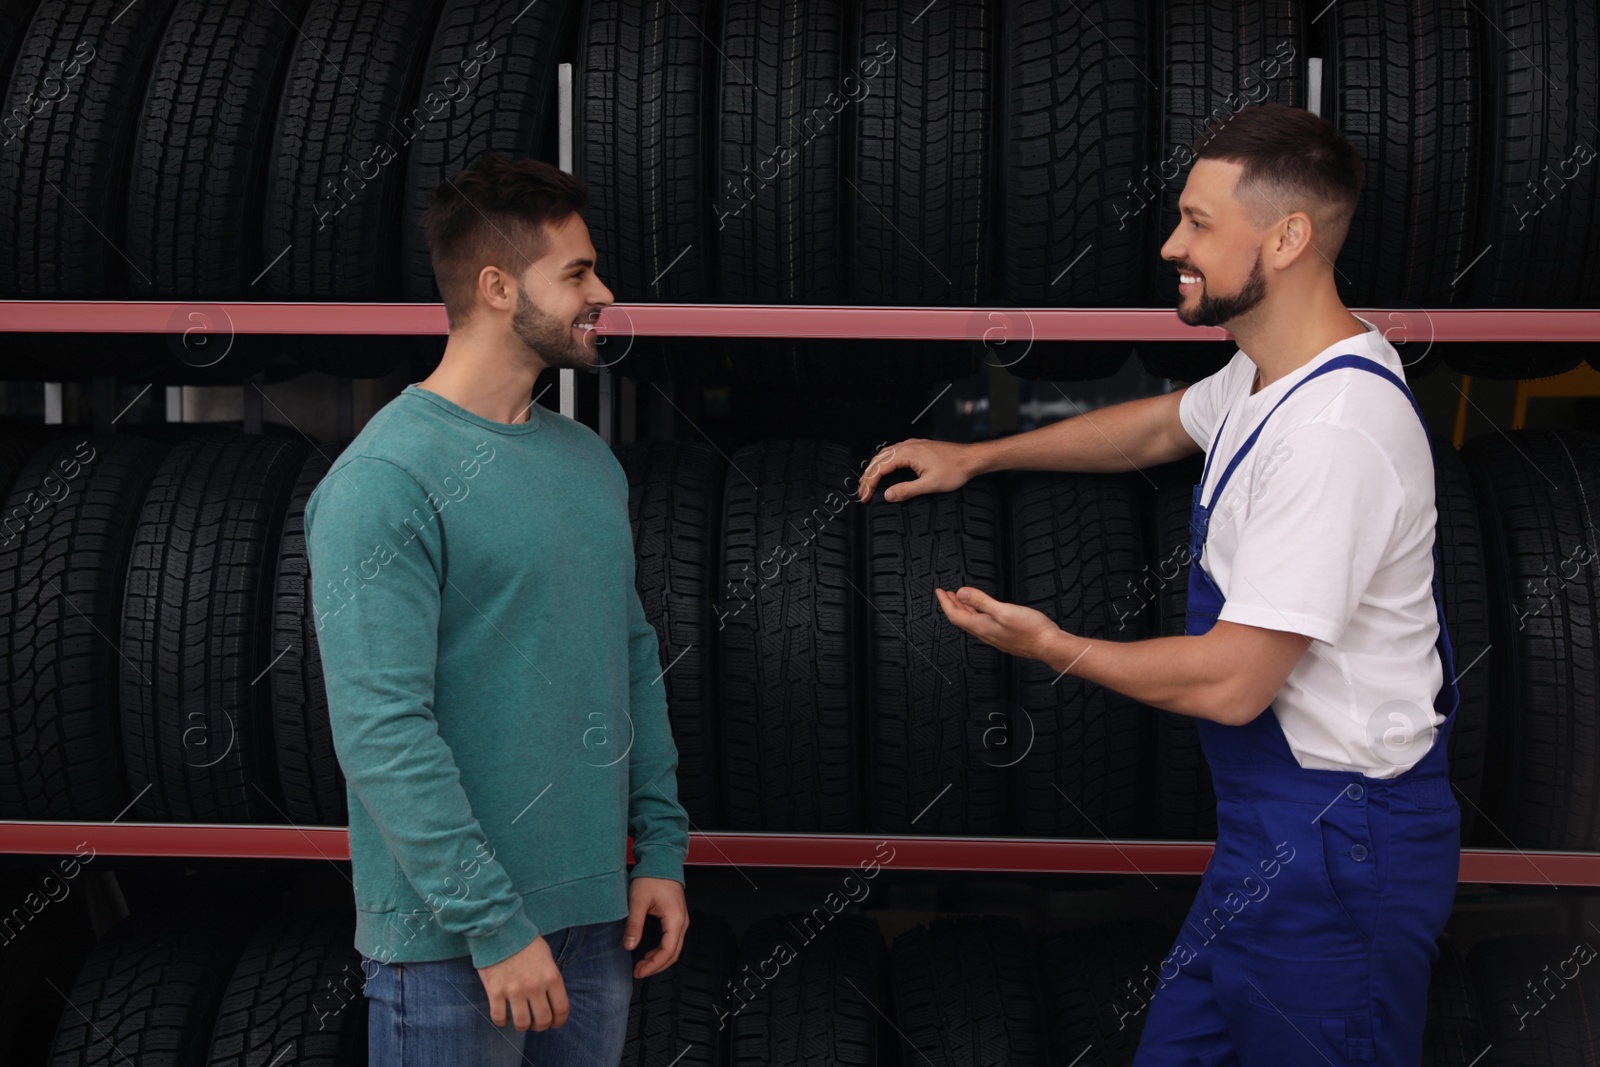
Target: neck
490,380
1284,335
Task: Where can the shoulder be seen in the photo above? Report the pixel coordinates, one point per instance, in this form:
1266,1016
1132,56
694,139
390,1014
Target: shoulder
584,442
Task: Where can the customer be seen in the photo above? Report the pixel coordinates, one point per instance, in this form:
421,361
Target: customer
493,684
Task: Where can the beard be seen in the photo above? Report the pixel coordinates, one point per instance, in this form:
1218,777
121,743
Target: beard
550,338
1216,310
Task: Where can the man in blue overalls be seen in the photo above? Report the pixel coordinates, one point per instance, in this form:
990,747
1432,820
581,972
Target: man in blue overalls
1315,658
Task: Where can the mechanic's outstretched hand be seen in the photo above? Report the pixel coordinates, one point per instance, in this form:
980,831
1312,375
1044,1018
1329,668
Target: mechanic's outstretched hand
1012,628
530,982
941,467
663,898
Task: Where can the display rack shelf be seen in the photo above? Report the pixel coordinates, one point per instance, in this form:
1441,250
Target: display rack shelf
989,325
986,324
735,849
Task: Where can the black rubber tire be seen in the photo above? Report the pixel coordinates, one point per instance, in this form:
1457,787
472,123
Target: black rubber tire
15,15
919,175
1467,611
1401,84
1539,1001
823,1005
505,55
295,997
675,505
665,359
197,630
1217,58
1075,104
1184,361
789,649
674,1019
641,83
965,991
1183,800
1097,984
1535,491
824,363
938,723
47,951
336,168
14,454
1542,82
778,238
1066,361
63,175
201,146
1077,544
148,993
1453,1036
61,585
1513,360
309,777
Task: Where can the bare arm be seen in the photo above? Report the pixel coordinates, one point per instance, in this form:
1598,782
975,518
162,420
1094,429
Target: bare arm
1228,675
1127,436
1122,437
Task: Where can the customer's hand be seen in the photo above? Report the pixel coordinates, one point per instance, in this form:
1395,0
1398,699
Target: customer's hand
663,898
941,467
531,983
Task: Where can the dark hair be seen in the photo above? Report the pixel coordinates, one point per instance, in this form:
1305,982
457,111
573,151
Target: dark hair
1293,161
494,212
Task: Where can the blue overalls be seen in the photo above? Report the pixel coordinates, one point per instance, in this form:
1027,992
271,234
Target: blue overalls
1314,932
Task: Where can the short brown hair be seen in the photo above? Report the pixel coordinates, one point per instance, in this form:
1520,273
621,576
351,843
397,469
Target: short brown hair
1293,161
493,213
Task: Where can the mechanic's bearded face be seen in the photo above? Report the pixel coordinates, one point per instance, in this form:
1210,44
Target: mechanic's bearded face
1215,249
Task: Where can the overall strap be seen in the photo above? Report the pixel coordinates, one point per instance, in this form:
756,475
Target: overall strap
1336,363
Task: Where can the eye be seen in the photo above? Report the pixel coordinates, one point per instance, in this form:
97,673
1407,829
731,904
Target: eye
1196,225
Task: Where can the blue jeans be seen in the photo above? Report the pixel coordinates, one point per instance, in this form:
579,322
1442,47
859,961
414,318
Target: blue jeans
436,1014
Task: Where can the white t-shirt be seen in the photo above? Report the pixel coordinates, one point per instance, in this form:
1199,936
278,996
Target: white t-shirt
1326,529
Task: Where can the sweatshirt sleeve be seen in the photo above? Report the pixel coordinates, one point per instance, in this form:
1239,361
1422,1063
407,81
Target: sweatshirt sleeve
658,823
375,550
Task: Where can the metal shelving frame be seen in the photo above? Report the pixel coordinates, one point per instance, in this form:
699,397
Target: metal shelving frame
989,326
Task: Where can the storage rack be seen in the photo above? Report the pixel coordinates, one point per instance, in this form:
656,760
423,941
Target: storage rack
987,325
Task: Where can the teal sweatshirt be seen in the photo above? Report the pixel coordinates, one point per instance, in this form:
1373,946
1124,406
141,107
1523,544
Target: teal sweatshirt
494,688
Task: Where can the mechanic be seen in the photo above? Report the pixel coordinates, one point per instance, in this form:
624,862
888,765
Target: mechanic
1314,659
489,668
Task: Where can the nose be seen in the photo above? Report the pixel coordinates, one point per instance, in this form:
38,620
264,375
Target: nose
1173,249
600,296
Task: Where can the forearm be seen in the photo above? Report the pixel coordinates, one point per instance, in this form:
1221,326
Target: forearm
658,822
1178,674
1128,436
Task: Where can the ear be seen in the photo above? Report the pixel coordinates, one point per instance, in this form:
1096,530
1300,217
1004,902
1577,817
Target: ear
494,290
1294,238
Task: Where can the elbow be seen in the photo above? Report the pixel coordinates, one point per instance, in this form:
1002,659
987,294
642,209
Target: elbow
1237,705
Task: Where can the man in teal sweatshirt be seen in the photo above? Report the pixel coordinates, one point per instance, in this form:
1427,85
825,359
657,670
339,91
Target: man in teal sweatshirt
494,686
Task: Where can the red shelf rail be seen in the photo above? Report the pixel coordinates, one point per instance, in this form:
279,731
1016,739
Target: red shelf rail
987,854
988,325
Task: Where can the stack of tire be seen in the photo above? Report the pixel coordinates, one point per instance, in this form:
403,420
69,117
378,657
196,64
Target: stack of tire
199,987
203,988
847,701
983,153
161,655
973,988
156,630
